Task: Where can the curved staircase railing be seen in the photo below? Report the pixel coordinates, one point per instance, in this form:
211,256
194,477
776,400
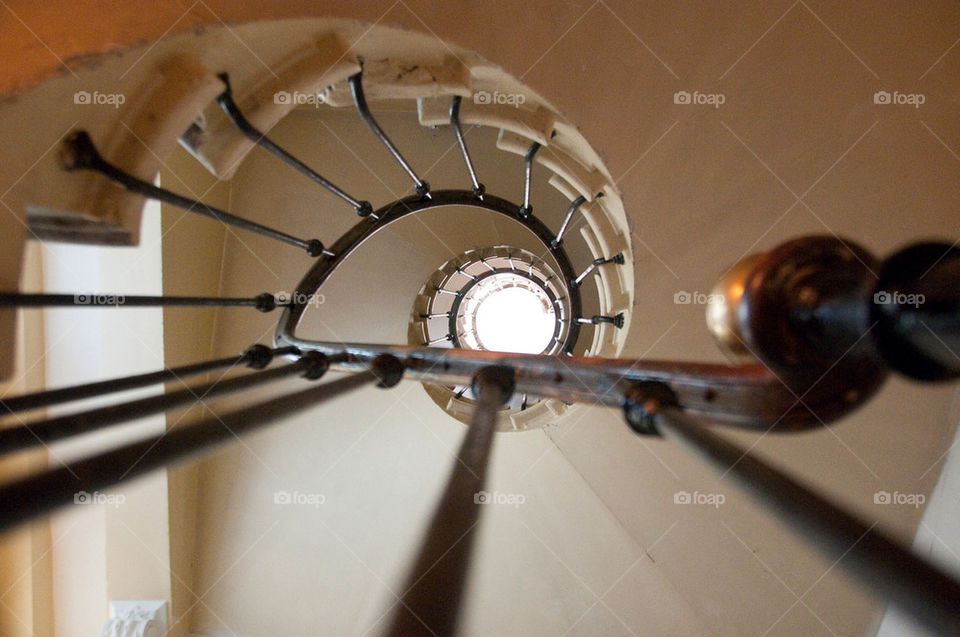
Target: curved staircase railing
804,312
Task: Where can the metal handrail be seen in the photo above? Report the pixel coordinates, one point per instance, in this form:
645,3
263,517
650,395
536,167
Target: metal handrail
746,395
323,268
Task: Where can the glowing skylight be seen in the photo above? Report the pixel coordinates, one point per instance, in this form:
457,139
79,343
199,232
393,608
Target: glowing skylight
507,312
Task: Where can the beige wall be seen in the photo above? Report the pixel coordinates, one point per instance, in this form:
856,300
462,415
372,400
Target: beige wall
118,549
192,257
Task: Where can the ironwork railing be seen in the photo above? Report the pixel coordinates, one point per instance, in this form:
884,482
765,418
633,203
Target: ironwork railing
825,335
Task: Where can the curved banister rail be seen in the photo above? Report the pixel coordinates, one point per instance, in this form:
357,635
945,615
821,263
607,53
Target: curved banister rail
365,229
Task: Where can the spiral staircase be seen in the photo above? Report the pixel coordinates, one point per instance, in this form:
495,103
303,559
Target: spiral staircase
362,190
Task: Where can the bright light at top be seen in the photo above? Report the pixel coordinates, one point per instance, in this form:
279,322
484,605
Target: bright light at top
518,318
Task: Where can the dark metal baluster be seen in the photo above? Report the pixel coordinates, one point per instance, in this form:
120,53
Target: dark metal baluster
466,274
880,564
526,209
256,357
478,188
616,321
263,302
31,434
38,494
225,100
617,258
81,154
574,206
421,187
435,585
